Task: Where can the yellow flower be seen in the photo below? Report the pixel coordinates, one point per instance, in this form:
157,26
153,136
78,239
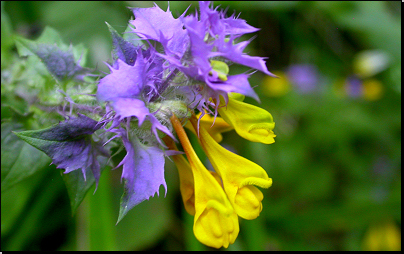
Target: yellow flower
382,237
238,175
250,122
276,87
215,130
215,222
372,89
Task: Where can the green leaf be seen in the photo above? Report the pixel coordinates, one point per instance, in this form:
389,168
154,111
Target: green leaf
101,208
46,211
19,160
77,187
6,39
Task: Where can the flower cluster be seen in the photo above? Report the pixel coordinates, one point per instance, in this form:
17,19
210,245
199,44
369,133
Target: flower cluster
169,73
185,69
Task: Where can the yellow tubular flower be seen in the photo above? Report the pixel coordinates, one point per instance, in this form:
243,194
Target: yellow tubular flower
250,122
186,177
216,130
215,223
238,175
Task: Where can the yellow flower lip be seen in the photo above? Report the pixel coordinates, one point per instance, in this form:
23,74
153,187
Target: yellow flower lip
263,131
250,122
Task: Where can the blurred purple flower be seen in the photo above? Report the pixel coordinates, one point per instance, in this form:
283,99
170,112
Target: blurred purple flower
304,76
354,87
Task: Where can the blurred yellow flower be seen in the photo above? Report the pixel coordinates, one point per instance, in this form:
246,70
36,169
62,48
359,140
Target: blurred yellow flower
276,87
382,237
372,89
370,62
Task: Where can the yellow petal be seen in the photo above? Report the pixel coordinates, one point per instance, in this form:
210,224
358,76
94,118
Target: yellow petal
238,174
215,222
247,202
250,122
186,178
214,228
186,183
215,130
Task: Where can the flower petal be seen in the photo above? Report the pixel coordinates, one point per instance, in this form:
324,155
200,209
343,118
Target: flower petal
250,122
126,107
125,82
156,24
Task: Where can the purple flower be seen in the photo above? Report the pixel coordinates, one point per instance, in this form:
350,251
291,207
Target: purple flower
304,76
206,39
153,88
58,59
60,63
69,144
126,89
156,24
353,86
148,84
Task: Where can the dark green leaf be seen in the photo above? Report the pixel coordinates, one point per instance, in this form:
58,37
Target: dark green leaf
19,160
77,187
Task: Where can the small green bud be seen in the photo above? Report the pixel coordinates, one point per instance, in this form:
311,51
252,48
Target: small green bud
221,68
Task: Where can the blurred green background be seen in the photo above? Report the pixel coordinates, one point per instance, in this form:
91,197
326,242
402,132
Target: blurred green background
335,165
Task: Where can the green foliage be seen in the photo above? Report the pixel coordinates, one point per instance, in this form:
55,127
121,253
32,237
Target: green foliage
335,165
18,159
